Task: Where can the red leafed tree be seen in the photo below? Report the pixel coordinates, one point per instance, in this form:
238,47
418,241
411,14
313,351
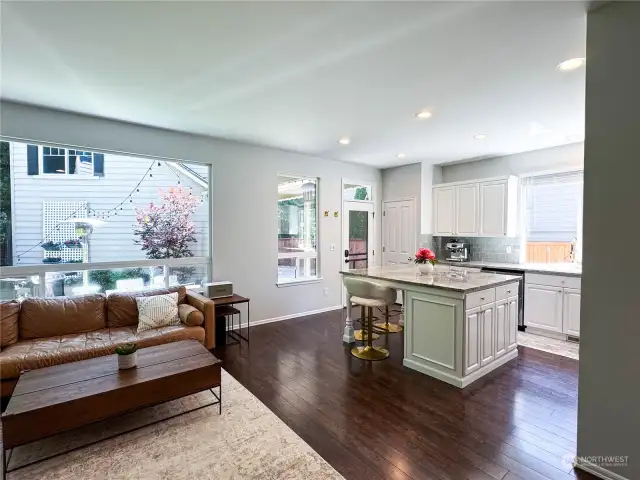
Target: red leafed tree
165,230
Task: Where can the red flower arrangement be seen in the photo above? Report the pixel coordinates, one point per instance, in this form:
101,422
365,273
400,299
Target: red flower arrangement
424,255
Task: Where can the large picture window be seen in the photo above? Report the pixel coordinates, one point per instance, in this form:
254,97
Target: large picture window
297,229
553,217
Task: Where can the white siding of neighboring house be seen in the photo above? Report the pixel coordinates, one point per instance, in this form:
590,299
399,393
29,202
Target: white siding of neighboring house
114,240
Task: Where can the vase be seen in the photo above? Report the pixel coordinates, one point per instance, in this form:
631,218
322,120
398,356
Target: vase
127,361
425,268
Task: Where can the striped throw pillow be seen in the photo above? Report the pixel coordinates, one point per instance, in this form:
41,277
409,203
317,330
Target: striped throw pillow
157,311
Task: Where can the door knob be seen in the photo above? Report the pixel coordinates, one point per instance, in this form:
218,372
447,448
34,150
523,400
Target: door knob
346,253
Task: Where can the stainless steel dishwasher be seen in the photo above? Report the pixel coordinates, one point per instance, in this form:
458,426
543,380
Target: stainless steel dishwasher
518,273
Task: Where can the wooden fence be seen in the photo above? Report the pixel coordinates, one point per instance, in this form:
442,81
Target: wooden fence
548,252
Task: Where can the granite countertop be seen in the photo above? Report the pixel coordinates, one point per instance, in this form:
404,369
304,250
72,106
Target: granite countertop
441,278
566,269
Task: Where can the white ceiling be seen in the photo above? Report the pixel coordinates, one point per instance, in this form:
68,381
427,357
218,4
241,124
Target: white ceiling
298,75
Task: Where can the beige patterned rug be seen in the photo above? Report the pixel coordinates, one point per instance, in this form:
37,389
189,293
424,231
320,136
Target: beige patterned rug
247,442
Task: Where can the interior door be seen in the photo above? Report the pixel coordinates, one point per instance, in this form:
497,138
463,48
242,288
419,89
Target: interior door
357,235
398,232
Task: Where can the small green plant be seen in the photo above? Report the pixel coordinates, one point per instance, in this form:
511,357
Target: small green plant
126,349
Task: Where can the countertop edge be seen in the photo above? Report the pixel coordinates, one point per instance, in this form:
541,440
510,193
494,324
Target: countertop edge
515,267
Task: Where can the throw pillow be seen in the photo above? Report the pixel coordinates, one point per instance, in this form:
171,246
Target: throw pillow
190,315
157,311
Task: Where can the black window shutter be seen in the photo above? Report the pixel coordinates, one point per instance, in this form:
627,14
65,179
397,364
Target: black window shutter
98,165
32,160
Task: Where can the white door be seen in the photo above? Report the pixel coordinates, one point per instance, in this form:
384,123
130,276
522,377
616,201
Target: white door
512,323
493,208
543,307
357,237
398,232
486,335
571,312
467,210
472,340
501,336
444,211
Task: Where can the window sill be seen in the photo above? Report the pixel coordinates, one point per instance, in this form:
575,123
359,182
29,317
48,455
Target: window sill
291,283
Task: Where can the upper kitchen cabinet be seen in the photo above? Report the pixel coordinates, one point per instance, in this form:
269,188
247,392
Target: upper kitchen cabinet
479,208
444,210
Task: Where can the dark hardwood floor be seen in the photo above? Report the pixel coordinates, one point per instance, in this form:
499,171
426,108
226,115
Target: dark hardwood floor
383,421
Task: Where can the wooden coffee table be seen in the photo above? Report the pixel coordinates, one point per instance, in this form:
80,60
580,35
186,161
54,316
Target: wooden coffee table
48,401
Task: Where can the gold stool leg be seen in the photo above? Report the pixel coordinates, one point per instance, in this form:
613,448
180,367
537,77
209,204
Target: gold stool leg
388,327
361,335
369,352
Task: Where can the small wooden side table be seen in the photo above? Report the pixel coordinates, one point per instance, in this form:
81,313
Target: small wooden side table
230,301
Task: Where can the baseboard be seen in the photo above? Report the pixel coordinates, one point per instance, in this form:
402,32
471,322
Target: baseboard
293,315
597,470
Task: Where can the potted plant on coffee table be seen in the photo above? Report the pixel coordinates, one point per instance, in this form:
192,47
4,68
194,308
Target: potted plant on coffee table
127,356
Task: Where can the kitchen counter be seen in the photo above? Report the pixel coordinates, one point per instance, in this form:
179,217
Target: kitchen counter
441,278
567,269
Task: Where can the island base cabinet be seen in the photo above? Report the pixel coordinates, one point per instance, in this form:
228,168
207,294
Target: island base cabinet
502,325
487,338
473,322
512,322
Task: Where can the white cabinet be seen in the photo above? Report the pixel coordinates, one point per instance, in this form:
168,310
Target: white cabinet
512,322
472,340
486,335
485,208
501,326
467,210
543,307
444,210
571,312
552,303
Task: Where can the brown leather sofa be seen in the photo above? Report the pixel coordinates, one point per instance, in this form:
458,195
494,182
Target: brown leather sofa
41,332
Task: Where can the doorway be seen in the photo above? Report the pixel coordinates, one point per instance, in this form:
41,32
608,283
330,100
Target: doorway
398,232
357,236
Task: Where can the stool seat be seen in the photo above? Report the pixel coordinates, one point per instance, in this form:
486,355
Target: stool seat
368,302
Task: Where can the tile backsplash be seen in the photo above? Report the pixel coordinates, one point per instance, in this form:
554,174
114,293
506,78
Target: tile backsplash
486,249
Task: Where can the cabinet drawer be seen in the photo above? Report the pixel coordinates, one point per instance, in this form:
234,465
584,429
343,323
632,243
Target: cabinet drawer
506,291
482,297
552,280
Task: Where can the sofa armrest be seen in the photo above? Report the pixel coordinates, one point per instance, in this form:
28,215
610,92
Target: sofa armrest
207,307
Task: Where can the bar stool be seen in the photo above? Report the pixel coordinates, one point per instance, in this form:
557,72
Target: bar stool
361,335
369,295
386,326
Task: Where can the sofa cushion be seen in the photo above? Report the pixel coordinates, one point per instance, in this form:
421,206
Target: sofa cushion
190,315
122,310
51,317
45,352
9,313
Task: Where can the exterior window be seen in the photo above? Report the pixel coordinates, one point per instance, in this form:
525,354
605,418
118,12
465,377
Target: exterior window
553,218
356,192
44,160
297,229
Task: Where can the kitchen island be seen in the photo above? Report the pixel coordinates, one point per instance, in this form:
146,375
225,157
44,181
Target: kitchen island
459,325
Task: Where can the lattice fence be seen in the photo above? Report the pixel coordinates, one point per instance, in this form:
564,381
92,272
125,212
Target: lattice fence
56,229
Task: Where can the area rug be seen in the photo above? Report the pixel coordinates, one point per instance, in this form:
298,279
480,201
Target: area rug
247,441
551,345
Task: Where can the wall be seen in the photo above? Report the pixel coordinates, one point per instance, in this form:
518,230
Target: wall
244,198
609,390
557,158
113,241
404,182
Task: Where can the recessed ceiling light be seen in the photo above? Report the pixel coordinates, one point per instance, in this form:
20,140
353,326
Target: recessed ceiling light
480,136
401,155
344,141
571,64
424,114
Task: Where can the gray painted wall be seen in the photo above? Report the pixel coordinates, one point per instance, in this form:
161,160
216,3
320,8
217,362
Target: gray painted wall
609,393
557,158
243,199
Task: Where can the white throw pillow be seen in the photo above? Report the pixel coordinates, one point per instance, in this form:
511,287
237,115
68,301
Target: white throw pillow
157,311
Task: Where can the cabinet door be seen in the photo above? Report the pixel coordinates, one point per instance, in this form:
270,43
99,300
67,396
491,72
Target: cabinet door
444,210
467,210
512,323
571,312
486,335
501,336
493,208
472,340
543,307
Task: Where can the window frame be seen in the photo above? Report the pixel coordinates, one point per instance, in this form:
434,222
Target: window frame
305,255
66,173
